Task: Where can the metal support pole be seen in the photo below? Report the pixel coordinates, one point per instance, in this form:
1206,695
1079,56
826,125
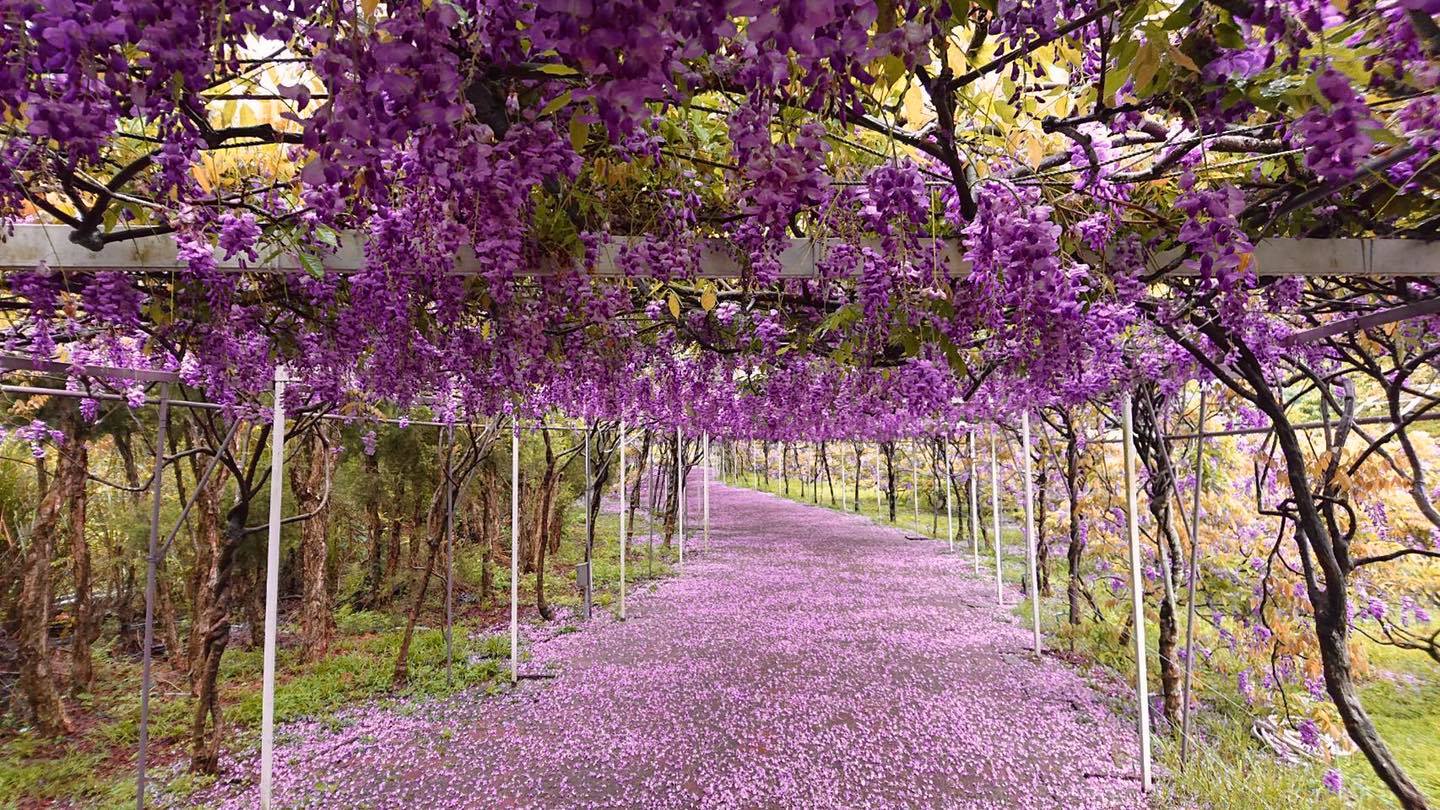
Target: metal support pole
995,515
624,510
1137,595
1190,581
152,562
272,587
680,490
1030,550
515,552
974,504
705,493
949,504
449,555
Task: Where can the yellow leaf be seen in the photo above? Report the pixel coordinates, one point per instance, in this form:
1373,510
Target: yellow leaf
367,8
1181,58
1147,63
201,174
674,303
707,299
1245,260
916,108
1034,152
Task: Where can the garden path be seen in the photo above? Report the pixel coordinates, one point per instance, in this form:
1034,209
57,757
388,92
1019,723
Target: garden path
807,658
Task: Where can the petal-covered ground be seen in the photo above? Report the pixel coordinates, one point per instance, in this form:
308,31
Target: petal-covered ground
805,659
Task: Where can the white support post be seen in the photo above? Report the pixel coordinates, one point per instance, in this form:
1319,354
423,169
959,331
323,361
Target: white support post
995,516
515,551
1190,570
705,493
624,510
1030,550
680,490
272,588
449,554
1137,606
152,561
974,504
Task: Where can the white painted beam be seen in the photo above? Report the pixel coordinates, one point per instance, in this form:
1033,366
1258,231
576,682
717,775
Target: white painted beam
32,244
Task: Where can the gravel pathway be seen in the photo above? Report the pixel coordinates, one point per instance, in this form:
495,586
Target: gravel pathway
807,659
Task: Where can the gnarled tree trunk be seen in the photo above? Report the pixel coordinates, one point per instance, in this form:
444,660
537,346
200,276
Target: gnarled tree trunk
368,595
887,449
1149,446
207,722
37,682
206,541
74,465
308,481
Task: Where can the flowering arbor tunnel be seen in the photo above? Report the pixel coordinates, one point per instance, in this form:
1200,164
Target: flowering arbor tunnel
958,403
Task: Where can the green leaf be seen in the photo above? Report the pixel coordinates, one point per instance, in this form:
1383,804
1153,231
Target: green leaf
556,104
554,69
892,68
311,264
1281,86
579,134
1228,36
1123,68
839,319
1180,17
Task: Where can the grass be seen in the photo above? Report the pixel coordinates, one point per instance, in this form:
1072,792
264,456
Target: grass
1405,706
1227,768
95,766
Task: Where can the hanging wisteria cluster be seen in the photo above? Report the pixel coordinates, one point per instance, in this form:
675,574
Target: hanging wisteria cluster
508,131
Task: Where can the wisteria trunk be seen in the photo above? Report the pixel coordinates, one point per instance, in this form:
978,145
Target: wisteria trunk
206,541
1075,549
207,724
73,466
368,596
1332,620
887,449
307,483
37,682
401,672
